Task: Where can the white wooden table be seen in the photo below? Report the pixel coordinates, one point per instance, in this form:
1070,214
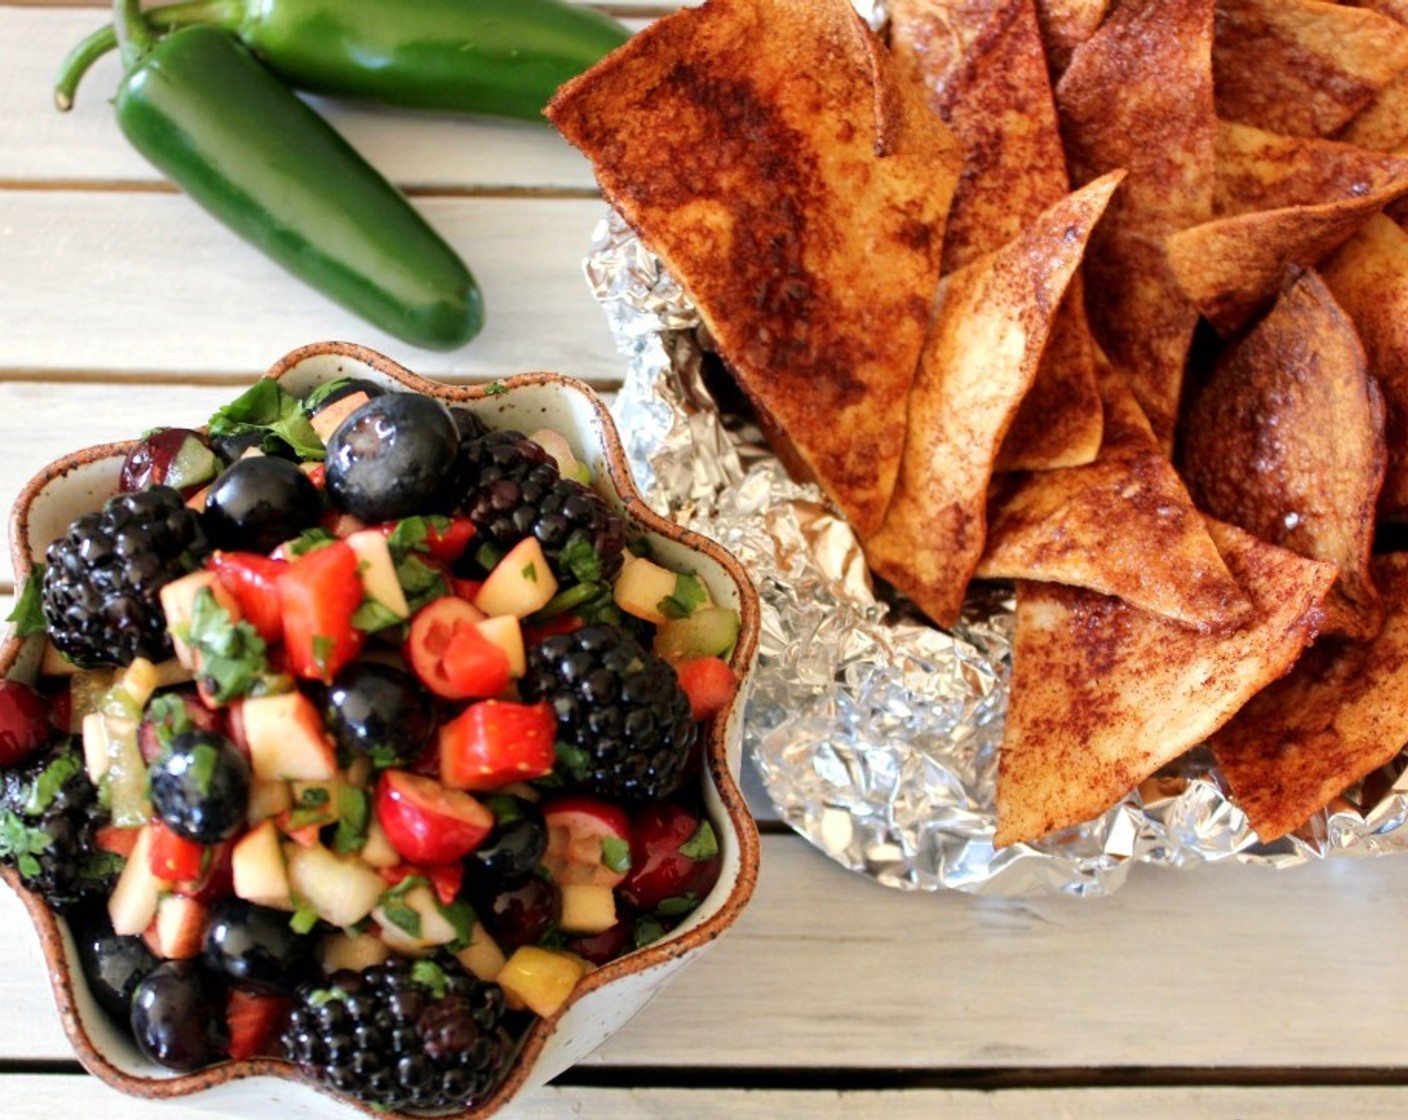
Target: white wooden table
1226,992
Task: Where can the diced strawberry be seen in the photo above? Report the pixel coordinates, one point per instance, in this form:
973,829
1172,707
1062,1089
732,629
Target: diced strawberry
253,580
445,544
318,594
117,841
496,742
317,474
445,879
216,879
708,682
173,857
254,1019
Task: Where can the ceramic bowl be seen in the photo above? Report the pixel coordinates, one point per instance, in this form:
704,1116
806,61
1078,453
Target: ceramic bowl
607,998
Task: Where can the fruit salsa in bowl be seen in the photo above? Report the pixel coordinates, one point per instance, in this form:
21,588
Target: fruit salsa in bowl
375,737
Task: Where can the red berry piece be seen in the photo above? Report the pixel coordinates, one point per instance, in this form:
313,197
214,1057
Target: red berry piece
24,722
675,860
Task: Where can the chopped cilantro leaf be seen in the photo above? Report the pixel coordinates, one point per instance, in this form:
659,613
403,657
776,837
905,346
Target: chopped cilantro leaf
573,598
204,759
310,540
674,907
323,647
688,595
616,854
488,555
420,581
21,844
372,616
101,866
432,976
530,573
168,716
703,845
266,407
50,780
28,614
231,653
397,911
581,559
573,760
303,921
646,931
313,401
353,819
495,389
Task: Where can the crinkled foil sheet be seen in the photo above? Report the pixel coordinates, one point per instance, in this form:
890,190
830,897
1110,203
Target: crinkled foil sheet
874,733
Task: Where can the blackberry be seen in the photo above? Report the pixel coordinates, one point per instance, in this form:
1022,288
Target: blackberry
49,818
104,576
620,712
420,1034
512,489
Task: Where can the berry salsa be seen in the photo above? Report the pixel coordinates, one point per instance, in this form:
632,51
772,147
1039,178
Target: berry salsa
364,732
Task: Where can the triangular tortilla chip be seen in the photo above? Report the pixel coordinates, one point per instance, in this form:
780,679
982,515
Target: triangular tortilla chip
1123,526
1138,95
1302,67
1323,191
1065,25
1368,275
1103,694
765,150
1286,439
1338,717
990,327
1259,170
984,72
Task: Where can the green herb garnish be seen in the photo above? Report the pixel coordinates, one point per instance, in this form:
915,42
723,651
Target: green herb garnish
616,854
353,819
267,408
28,613
688,595
703,845
230,653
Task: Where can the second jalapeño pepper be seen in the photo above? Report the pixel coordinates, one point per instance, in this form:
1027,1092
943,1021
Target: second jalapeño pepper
201,109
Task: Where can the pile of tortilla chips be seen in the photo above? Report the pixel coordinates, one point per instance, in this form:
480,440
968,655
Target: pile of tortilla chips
1108,298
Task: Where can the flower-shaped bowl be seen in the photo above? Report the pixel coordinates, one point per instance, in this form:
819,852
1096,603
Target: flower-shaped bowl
606,998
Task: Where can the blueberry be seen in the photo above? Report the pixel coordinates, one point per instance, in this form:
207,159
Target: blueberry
200,787
514,849
259,503
255,946
392,458
178,1016
113,965
381,712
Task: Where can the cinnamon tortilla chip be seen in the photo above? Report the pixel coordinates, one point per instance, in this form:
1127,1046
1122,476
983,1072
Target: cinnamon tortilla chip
1291,201
1065,25
1338,717
1302,67
1104,694
990,327
1123,526
1286,440
766,151
1138,95
983,70
1368,275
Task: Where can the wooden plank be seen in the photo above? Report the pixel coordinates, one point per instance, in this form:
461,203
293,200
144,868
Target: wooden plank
419,151
43,1097
130,284
1230,967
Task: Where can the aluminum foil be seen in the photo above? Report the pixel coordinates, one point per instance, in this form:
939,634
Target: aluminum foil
876,734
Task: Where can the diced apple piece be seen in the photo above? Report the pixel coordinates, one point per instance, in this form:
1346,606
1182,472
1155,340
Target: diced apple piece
286,739
342,890
351,951
378,572
434,928
539,979
506,632
587,908
326,420
177,930
178,603
267,799
556,445
520,583
260,870
482,956
55,664
643,587
377,850
708,632
133,902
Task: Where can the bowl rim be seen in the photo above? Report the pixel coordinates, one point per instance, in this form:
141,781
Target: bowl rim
726,787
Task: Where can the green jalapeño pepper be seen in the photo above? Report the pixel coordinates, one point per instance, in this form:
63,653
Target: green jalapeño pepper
242,145
498,57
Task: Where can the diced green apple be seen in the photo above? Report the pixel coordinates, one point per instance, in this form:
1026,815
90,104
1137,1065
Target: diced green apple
377,850
708,632
587,908
351,951
267,798
177,931
286,739
342,890
506,632
378,572
648,591
260,869
133,902
482,956
178,603
520,583
434,928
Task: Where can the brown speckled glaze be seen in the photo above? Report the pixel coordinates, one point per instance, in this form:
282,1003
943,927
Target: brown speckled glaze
18,657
